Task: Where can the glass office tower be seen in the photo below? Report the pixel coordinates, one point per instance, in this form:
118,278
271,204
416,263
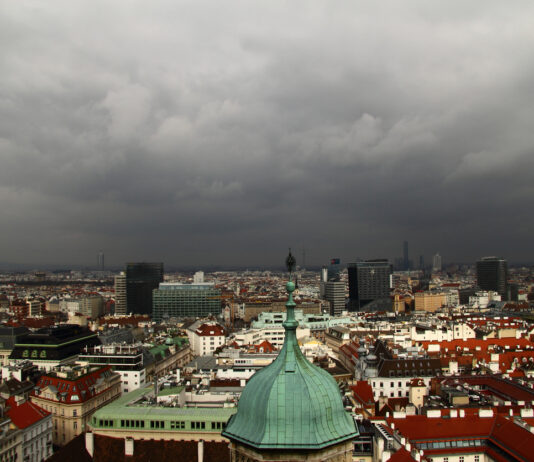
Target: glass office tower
185,301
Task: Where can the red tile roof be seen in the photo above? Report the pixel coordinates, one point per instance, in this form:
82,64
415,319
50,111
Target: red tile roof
207,330
402,455
501,431
26,414
265,347
421,427
75,390
363,392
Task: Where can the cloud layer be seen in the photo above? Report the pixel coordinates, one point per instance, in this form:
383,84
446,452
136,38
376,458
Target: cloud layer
212,133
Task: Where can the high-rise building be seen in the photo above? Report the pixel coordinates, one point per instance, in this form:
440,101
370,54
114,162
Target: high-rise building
198,277
100,261
368,280
120,294
141,280
335,294
492,273
172,299
436,262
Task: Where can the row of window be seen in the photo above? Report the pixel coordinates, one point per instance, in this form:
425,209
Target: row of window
450,444
460,459
160,424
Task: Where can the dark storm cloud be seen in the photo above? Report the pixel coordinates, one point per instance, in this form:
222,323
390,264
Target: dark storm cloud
221,133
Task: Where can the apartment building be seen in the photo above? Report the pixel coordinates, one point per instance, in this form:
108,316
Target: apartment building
72,395
35,425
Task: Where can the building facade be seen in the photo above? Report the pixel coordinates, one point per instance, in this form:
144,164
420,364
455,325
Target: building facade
185,301
492,274
334,293
206,338
53,346
368,280
125,360
35,425
120,294
141,280
72,395
10,441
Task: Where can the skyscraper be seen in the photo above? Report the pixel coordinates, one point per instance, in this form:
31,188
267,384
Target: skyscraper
368,280
141,280
120,294
334,292
100,261
492,273
436,262
323,281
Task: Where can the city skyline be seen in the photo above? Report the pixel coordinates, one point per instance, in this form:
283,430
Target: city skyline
204,135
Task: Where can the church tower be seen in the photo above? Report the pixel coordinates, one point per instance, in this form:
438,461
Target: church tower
291,410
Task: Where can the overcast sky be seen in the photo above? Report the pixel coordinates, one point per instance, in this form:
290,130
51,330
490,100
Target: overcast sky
222,132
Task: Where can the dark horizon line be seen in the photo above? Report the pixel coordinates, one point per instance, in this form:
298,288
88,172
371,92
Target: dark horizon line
23,267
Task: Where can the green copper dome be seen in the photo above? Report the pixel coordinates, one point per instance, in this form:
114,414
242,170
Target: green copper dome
291,404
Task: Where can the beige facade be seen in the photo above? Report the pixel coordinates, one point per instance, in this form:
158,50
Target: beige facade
417,395
178,357
4,356
429,301
10,441
71,419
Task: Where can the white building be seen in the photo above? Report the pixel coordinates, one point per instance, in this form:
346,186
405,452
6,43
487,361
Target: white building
36,426
482,299
91,306
274,335
205,338
126,360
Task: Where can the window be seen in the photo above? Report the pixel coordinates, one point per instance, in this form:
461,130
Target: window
75,425
477,458
461,458
74,412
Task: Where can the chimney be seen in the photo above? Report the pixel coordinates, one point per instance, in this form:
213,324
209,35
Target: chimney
462,413
90,443
200,450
